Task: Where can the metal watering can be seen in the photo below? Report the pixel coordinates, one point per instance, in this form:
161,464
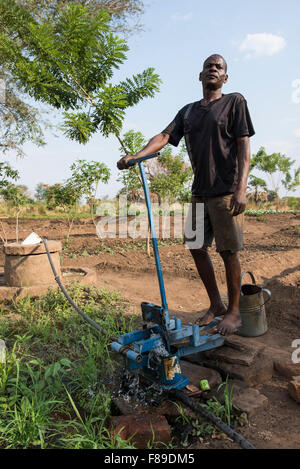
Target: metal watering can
252,308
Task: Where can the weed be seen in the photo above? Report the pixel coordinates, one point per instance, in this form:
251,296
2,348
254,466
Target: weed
51,351
228,405
85,254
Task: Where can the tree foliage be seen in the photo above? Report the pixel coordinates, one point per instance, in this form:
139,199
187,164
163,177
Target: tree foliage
6,174
169,176
61,195
124,14
132,185
174,176
278,168
20,121
68,63
256,183
85,179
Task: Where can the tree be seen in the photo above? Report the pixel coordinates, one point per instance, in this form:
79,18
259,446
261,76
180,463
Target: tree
169,176
121,12
278,167
40,192
7,173
14,196
68,63
132,184
20,121
257,182
65,196
290,183
174,178
85,179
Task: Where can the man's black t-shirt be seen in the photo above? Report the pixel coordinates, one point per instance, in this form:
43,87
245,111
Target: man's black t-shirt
210,133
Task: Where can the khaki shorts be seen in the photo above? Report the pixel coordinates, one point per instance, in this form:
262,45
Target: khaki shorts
217,222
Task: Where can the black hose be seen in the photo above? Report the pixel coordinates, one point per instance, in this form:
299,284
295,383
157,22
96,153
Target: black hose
85,317
176,393
180,395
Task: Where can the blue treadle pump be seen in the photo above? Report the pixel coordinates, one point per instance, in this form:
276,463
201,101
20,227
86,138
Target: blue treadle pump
155,349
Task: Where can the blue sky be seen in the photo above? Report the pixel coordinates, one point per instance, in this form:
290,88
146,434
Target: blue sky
260,41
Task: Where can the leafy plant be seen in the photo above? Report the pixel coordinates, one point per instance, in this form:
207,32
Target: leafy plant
16,199
277,167
68,62
85,180
51,394
228,405
65,196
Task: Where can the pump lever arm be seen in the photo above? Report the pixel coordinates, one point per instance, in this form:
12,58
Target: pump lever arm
142,158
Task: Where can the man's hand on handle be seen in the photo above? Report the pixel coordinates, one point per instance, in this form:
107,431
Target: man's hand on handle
153,146
123,162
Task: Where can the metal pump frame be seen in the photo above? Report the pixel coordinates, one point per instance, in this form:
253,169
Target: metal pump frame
163,333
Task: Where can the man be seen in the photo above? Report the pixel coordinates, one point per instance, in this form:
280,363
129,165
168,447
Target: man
217,130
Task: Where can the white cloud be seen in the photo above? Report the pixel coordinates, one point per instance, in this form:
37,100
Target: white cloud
182,17
262,44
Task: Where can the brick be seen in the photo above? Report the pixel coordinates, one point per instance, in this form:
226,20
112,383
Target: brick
243,343
143,427
236,350
195,373
287,369
260,371
294,388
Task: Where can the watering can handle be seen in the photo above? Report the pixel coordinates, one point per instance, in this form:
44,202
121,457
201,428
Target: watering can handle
268,293
251,275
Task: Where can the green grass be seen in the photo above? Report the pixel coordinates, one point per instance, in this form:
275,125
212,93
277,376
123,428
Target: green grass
200,427
115,248
54,385
262,211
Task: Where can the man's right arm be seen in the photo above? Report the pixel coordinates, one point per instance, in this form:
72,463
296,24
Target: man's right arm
155,144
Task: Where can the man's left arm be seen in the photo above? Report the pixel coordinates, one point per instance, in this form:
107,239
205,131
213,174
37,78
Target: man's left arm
238,202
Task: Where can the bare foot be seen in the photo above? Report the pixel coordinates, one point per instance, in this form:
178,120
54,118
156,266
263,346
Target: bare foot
230,323
213,312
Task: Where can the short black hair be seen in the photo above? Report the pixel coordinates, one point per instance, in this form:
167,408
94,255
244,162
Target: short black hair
220,57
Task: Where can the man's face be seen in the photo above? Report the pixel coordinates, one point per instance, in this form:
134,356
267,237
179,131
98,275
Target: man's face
213,75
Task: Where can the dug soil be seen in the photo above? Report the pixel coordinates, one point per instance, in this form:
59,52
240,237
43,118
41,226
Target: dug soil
271,252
